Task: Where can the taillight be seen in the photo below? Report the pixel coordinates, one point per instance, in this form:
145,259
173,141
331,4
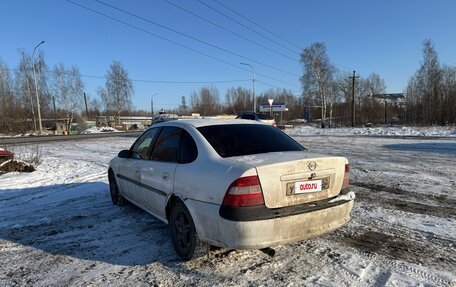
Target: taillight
346,182
244,191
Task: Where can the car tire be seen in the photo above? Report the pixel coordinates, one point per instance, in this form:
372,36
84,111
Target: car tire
116,197
183,233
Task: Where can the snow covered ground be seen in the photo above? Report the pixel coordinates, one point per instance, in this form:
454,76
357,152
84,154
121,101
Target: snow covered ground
437,131
58,226
97,130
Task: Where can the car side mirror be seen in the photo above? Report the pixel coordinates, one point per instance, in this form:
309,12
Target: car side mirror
124,153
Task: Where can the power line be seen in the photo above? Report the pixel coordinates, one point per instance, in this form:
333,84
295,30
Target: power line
174,42
258,25
195,39
156,35
269,31
229,31
247,27
281,88
150,81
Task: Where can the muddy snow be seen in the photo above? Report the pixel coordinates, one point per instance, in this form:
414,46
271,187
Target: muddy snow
58,226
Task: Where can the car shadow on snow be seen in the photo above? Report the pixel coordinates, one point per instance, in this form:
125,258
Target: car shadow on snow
79,220
445,148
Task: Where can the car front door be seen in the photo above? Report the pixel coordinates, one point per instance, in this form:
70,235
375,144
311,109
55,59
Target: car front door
130,170
157,173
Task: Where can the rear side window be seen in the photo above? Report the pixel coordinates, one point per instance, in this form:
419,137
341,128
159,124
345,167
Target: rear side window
239,140
188,151
166,147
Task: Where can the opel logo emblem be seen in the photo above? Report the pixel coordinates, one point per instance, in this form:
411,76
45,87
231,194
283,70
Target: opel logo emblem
312,165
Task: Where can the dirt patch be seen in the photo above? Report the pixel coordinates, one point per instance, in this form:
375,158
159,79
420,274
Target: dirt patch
406,201
18,166
400,247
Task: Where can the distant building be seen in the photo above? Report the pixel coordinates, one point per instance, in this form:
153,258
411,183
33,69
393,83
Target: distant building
394,106
124,122
397,98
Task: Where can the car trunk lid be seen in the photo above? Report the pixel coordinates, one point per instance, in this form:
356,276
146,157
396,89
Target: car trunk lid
291,178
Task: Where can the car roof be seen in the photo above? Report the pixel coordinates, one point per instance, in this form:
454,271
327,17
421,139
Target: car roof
208,122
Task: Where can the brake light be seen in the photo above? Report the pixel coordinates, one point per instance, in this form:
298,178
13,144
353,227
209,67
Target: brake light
346,182
244,191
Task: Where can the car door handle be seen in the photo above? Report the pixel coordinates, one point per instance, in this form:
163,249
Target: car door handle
165,176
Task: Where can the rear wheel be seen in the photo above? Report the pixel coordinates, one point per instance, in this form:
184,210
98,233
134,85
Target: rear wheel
183,233
116,197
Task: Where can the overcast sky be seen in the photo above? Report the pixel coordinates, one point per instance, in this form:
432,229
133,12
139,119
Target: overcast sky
383,37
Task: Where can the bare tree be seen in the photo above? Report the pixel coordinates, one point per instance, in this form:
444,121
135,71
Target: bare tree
238,100
75,91
118,89
429,82
24,85
426,89
318,76
7,115
449,93
94,107
60,87
206,102
375,86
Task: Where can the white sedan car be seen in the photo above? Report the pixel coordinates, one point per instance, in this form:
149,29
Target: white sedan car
231,183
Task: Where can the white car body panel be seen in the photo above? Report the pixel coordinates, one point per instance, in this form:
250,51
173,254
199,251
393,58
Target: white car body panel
264,233
157,179
129,173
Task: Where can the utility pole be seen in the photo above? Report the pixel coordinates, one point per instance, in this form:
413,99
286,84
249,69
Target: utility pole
36,90
55,115
353,97
330,113
253,82
386,109
87,108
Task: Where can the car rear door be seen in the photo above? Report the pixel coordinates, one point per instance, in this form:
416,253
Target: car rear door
157,173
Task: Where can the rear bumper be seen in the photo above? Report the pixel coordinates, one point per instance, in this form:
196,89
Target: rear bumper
255,234
261,212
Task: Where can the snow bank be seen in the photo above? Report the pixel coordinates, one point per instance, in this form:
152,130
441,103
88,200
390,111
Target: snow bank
96,130
380,131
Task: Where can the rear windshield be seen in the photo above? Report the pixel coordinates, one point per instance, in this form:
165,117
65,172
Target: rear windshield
239,140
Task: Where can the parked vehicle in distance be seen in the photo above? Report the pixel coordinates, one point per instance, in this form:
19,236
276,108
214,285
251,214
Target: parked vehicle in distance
231,183
265,118
163,118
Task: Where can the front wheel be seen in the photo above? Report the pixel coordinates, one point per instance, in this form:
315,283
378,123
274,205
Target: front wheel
116,197
183,233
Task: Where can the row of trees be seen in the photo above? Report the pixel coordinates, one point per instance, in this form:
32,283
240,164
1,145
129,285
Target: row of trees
331,101
430,96
431,92
324,85
61,93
